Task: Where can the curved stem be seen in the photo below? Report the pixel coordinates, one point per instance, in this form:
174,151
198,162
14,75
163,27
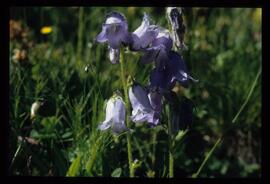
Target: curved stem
124,83
206,158
249,94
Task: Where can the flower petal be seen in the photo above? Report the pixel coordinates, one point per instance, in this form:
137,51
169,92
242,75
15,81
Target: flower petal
114,55
155,98
119,110
143,27
150,55
138,96
105,125
117,34
142,109
114,30
115,17
177,67
166,42
119,127
141,117
102,37
161,79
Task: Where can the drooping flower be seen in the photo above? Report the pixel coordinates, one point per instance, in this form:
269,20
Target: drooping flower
114,55
114,30
178,69
141,105
115,115
174,70
159,49
143,35
175,17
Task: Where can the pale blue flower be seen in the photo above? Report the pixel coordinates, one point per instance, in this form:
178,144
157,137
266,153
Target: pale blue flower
115,115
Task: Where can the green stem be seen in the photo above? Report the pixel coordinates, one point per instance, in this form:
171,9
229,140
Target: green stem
154,141
80,33
206,158
171,161
124,82
249,94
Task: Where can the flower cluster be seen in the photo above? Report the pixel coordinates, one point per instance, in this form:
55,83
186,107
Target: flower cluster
156,44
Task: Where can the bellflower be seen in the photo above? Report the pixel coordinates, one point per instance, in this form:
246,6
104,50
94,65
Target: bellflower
175,18
141,105
143,35
178,69
159,49
115,115
174,70
114,30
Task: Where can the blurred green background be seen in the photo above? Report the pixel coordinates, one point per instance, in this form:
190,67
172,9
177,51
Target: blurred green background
224,53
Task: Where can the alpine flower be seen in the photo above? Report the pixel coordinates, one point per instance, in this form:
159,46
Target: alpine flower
115,115
141,105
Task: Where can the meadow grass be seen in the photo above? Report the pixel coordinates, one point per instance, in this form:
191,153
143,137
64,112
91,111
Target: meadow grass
224,53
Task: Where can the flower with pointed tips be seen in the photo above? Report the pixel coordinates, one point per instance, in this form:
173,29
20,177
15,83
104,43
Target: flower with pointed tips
174,70
115,115
141,105
114,30
175,17
143,35
159,49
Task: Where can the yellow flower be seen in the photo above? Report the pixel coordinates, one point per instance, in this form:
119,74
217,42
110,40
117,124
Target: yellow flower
46,30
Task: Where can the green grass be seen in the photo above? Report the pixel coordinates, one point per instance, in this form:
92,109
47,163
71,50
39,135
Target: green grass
224,54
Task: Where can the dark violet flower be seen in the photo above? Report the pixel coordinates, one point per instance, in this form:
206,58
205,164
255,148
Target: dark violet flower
144,34
114,55
114,30
176,20
159,49
178,69
115,115
141,105
155,98
161,79
174,70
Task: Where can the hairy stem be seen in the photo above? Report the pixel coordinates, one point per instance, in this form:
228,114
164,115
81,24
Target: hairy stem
124,82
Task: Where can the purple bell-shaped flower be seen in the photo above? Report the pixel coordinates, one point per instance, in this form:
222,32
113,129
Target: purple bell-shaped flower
141,105
115,115
114,30
159,49
143,36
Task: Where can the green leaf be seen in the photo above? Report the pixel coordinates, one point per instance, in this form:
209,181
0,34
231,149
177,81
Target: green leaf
74,167
180,134
67,135
117,172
